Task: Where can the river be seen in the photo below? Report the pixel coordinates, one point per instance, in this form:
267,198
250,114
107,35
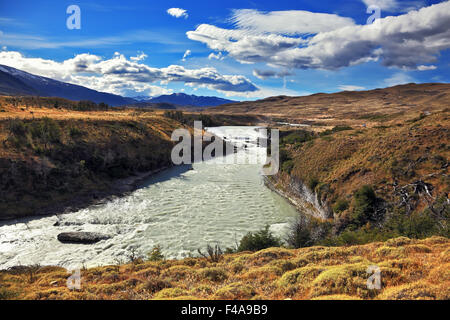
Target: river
179,209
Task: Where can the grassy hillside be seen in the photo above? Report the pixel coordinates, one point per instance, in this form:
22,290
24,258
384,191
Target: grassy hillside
371,183
52,156
410,269
352,108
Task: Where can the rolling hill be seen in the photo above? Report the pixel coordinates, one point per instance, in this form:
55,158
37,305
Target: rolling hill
354,105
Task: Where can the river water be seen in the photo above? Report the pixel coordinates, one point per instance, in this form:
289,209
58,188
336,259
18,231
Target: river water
179,209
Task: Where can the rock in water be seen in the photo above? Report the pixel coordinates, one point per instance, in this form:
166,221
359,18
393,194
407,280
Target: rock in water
81,237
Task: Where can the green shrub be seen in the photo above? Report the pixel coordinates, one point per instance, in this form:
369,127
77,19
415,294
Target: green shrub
214,274
287,166
307,231
17,128
6,294
415,226
284,155
340,205
46,131
260,240
156,254
296,137
364,206
313,183
75,132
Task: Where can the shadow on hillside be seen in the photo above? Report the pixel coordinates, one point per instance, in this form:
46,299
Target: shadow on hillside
165,175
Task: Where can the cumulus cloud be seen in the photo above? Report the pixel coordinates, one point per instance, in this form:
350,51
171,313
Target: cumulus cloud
177,12
119,74
241,45
186,54
424,32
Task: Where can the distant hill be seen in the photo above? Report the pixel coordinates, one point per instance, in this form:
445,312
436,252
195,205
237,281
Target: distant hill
17,82
182,99
347,104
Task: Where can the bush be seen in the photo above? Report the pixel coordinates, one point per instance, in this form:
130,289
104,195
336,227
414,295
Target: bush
300,234
364,206
6,294
415,226
340,205
46,130
214,274
17,128
313,183
284,155
75,132
287,166
296,137
306,232
260,240
214,254
156,254
175,115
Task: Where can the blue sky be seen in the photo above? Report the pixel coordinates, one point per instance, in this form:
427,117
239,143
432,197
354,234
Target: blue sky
272,48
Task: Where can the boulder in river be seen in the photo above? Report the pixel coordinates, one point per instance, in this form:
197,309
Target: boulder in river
82,237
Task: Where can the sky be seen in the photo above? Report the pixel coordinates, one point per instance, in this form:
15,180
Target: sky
241,50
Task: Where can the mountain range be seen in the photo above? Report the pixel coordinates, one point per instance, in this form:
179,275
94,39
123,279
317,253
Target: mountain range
17,82
183,99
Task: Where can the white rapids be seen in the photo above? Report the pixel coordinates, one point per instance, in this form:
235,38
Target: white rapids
179,209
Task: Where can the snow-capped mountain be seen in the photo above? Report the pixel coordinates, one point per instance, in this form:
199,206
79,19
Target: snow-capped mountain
17,82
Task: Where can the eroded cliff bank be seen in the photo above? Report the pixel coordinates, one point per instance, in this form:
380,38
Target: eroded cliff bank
299,195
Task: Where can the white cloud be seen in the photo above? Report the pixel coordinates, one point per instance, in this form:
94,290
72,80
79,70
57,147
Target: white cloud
139,57
27,41
398,78
395,5
426,68
218,56
178,12
382,4
425,33
242,46
292,22
351,88
119,75
186,54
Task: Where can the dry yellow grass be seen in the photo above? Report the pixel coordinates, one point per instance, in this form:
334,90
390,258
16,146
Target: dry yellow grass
387,157
352,108
418,270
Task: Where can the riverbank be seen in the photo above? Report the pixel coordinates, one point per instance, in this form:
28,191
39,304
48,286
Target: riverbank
409,269
55,160
368,184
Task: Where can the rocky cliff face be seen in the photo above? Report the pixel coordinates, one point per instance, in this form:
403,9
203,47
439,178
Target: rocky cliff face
299,195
